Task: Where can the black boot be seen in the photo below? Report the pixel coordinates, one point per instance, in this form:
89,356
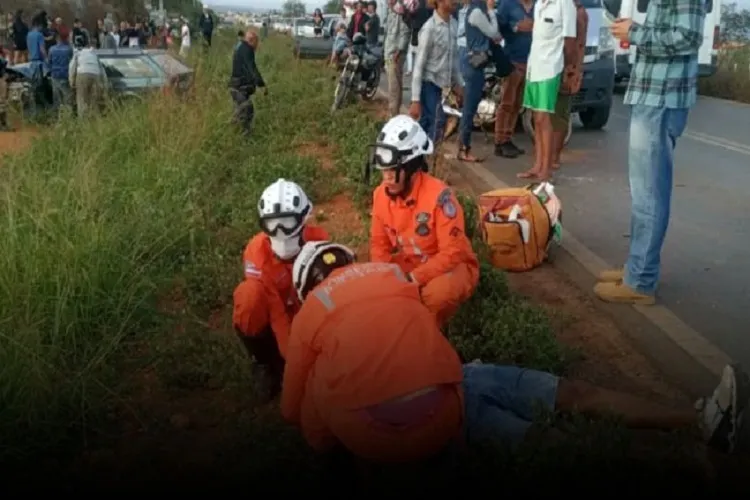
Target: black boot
507,150
268,369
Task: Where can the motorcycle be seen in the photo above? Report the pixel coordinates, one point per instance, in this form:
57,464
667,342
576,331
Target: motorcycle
484,119
360,74
485,115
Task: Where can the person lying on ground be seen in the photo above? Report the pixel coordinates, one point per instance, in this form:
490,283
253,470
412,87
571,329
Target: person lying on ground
417,222
369,369
265,302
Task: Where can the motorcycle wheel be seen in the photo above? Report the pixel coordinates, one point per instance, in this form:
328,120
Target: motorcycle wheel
342,89
527,121
372,89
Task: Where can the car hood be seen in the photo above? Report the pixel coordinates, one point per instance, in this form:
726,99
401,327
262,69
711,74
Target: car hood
24,69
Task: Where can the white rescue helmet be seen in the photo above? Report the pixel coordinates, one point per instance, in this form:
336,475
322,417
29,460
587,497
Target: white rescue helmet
315,262
284,208
401,140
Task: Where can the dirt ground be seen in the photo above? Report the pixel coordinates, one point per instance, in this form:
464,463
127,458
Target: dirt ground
18,140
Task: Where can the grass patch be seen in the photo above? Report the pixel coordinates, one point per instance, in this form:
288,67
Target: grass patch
730,79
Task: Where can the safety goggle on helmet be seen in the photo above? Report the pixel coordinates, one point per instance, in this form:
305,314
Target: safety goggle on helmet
283,209
401,140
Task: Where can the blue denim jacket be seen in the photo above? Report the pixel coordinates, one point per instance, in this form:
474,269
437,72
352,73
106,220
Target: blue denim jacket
517,44
60,56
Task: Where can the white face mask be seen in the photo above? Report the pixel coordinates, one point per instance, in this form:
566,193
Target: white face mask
286,248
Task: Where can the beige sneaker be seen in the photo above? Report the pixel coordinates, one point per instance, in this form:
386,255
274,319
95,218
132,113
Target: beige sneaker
611,275
620,293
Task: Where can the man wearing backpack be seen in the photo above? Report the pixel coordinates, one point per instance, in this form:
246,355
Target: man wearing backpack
397,35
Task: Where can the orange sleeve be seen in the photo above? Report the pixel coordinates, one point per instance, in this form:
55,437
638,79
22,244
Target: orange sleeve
300,358
380,244
453,245
316,233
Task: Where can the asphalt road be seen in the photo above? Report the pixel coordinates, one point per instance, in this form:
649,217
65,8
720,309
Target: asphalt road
706,257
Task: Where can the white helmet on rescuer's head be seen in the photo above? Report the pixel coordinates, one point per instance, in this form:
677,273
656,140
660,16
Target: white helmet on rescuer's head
284,208
401,140
315,262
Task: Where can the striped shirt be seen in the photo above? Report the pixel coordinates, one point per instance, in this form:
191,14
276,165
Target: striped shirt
665,73
437,56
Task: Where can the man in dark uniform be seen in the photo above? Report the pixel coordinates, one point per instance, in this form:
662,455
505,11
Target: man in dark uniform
245,80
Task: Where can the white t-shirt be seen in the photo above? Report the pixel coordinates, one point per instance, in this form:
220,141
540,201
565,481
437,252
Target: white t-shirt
185,34
554,20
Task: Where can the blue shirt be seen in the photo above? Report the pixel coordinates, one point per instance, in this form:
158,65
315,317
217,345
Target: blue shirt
60,56
35,44
517,44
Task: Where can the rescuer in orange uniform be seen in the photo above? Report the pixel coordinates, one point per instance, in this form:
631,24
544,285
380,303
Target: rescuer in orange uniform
417,222
368,368
367,365
265,302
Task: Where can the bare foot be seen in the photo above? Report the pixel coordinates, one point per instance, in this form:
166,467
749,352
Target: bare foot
529,174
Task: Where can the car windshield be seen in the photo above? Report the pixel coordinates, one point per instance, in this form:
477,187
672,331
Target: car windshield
129,67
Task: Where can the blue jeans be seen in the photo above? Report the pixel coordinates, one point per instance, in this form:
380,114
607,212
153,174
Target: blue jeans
501,401
463,62
432,119
653,135
474,79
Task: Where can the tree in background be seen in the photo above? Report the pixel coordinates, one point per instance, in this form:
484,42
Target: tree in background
293,8
332,7
735,23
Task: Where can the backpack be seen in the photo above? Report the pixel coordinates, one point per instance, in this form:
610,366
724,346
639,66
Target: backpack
519,225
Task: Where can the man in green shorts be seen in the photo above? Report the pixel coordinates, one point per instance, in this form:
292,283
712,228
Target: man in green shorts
552,48
570,85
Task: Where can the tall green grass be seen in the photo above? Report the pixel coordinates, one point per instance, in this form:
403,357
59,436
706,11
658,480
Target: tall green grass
98,218
731,77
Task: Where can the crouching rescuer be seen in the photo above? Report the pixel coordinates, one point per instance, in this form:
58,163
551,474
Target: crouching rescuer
265,302
367,366
417,222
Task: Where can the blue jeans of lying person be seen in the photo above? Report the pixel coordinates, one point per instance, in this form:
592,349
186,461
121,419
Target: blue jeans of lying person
653,135
474,80
502,401
432,119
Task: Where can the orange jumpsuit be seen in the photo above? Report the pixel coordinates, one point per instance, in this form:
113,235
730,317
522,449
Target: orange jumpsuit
266,296
424,235
363,340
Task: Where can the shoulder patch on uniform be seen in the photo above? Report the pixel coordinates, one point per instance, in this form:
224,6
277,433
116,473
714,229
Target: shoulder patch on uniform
251,270
446,203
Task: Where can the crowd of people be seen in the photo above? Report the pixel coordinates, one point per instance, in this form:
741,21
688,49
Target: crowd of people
449,47
66,52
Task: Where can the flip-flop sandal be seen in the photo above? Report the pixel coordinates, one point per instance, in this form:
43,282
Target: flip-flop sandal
461,156
526,175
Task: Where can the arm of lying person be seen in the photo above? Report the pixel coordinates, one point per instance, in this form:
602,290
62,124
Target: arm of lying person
300,359
452,242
